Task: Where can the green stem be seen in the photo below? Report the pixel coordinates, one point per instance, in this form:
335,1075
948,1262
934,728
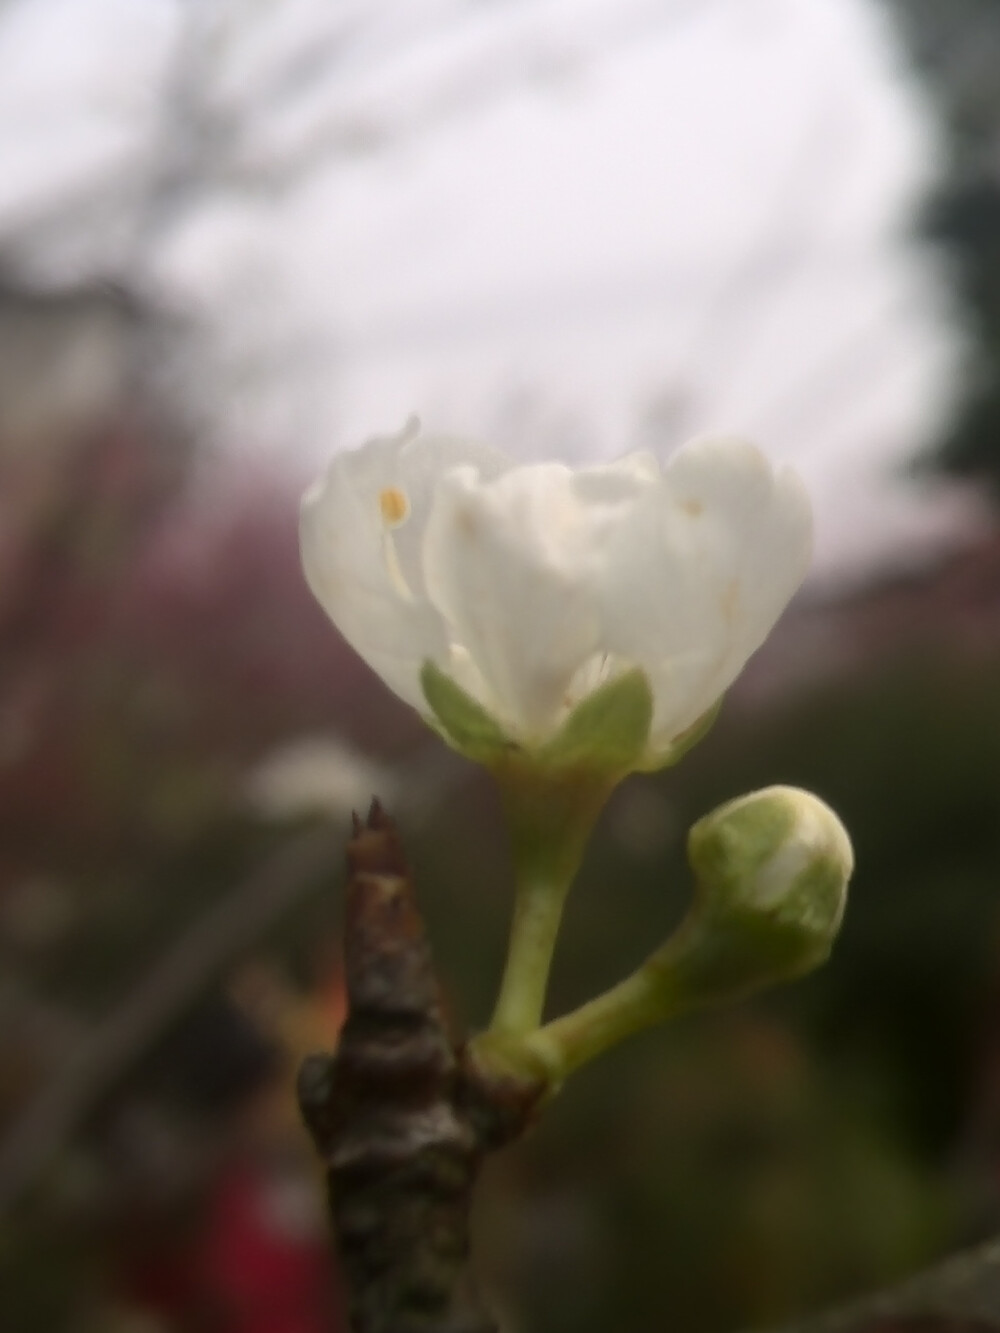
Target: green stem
538,907
579,1037
550,814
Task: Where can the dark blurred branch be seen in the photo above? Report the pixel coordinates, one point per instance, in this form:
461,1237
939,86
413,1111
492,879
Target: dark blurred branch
400,1118
961,1295
188,966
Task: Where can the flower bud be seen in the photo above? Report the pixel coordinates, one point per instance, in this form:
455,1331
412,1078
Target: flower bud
772,870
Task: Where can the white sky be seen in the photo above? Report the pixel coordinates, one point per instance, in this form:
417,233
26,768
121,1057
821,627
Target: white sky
568,226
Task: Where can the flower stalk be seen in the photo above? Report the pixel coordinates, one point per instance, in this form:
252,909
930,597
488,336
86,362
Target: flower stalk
549,816
538,908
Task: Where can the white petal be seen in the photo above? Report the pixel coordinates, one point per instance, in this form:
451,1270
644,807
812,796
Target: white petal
361,530
624,479
698,576
508,564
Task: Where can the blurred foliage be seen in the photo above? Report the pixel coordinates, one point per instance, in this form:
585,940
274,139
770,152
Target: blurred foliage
157,641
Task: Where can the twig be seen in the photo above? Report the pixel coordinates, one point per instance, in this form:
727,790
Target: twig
401,1119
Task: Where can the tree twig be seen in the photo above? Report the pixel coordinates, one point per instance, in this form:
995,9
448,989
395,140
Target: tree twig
400,1118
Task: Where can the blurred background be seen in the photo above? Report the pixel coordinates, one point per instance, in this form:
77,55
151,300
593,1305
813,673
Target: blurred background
239,235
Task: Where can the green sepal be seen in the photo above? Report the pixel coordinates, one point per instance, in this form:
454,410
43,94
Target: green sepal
607,732
717,959
460,720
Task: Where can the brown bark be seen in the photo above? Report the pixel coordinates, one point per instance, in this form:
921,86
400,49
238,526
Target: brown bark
400,1118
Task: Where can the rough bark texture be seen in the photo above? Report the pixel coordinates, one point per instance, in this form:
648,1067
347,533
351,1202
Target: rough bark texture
401,1120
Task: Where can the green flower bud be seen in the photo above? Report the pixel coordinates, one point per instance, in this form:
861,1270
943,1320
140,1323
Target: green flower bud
771,874
772,870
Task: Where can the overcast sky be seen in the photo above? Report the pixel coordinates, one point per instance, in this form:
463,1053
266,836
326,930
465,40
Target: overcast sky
569,226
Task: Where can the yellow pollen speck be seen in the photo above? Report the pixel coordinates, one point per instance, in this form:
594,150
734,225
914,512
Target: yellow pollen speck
693,507
393,506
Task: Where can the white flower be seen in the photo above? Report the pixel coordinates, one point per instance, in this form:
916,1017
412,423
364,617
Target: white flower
530,585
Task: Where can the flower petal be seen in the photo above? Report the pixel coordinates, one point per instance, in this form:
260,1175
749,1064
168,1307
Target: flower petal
507,564
703,569
361,530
